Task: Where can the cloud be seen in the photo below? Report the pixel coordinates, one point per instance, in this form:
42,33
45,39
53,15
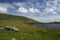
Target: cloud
52,7
29,10
3,10
22,10
6,5
19,4
50,10
34,10
28,4
47,10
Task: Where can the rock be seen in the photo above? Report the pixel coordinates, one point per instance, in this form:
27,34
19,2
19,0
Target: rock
10,28
2,28
14,39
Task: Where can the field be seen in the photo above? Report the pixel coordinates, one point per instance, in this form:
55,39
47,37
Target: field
26,32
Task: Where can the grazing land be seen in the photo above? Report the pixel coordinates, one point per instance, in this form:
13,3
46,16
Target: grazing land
26,32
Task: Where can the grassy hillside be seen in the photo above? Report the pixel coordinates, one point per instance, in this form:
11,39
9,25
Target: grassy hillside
6,17
26,32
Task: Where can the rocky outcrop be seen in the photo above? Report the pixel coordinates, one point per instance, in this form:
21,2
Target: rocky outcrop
9,28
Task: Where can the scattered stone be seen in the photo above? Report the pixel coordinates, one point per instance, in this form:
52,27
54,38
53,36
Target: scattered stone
14,39
9,28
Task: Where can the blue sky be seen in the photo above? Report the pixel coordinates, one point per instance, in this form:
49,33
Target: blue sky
40,10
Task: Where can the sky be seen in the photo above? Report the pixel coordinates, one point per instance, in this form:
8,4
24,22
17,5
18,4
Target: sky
40,10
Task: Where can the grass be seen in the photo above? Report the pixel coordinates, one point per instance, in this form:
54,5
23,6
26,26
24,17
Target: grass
6,17
26,32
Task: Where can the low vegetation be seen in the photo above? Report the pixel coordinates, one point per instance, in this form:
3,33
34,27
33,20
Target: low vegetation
26,32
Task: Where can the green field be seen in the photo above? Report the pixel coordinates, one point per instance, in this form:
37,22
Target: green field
26,32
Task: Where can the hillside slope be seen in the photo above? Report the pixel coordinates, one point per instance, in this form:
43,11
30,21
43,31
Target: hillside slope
26,32
6,17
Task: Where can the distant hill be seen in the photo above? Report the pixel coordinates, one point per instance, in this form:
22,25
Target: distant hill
46,23
54,22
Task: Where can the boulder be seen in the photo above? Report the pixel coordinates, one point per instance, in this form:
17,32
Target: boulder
10,28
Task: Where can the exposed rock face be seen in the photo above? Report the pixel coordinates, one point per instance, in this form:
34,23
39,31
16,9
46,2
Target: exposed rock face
9,28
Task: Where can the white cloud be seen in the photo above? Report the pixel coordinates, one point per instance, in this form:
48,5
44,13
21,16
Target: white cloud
28,6
34,10
19,4
6,5
29,10
3,10
52,7
22,10
50,10
24,4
